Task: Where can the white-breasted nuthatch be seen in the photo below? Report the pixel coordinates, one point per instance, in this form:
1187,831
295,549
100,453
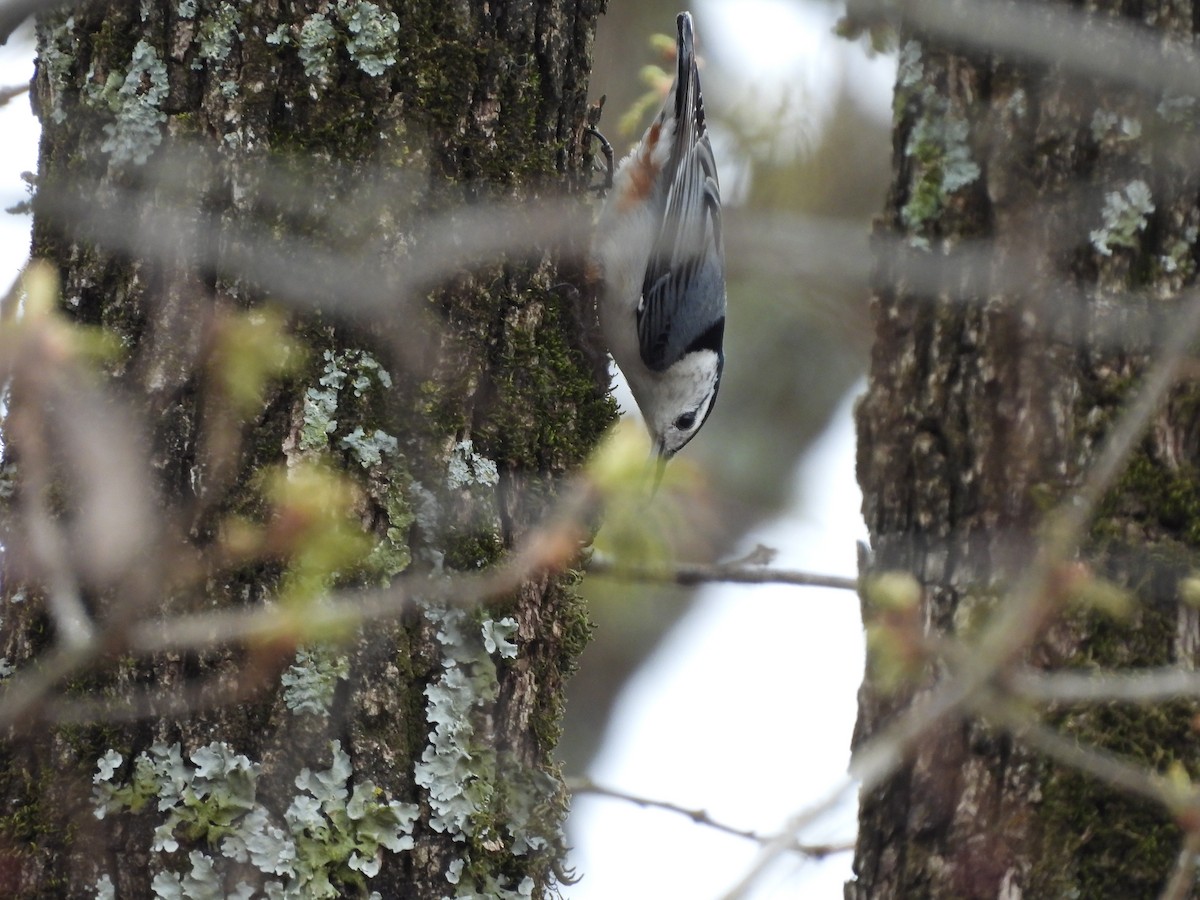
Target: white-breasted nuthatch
659,248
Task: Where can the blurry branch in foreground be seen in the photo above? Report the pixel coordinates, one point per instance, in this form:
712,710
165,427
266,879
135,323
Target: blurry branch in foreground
1183,879
1117,51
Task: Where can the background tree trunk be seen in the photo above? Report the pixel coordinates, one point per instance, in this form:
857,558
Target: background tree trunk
992,386
235,159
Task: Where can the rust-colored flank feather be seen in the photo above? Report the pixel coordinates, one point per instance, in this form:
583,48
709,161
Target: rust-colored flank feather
643,172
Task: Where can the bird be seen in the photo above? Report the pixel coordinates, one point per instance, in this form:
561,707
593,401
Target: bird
660,252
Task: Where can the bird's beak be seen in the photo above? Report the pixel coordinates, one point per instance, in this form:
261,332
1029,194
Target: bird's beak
659,461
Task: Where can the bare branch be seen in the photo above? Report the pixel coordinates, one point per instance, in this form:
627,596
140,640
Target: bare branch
8,94
787,836
691,574
699,816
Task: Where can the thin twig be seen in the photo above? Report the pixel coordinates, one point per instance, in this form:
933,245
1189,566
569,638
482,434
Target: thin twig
12,92
787,837
689,574
700,817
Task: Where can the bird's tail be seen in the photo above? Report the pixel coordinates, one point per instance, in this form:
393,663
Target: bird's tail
689,101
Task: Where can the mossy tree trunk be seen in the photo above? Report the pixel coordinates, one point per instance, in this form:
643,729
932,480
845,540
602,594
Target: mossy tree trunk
989,396
290,452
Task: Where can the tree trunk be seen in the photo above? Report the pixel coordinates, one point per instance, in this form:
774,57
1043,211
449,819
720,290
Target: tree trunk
992,389
289,412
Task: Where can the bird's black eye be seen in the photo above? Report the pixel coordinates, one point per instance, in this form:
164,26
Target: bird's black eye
686,421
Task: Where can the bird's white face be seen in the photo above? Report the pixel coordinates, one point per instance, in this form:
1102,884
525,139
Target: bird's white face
679,401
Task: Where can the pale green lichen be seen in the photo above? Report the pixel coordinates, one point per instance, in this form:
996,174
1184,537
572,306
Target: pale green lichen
186,9
369,369
368,449
468,796
320,406
310,682
374,40
361,372
1018,103
496,637
1125,215
491,888
909,69
941,160
201,882
104,888
1177,109
217,34
455,770
317,43
280,36
392,555
331,838
1108,124
466,467
135,99
370,35
1178,257
358,373
56,54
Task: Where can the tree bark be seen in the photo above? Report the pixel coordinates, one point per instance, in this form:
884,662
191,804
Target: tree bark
992,387
301,414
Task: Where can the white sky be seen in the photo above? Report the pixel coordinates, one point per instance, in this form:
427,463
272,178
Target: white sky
18,153
756,741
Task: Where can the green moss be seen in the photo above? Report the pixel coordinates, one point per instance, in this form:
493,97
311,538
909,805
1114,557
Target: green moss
440,408
471,551
34,821
113,43
1152,493
1127,857
392,555
939,155
576,632
1139,841
550,412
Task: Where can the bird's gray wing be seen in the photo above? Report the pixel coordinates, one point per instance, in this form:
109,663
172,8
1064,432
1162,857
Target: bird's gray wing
683,294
